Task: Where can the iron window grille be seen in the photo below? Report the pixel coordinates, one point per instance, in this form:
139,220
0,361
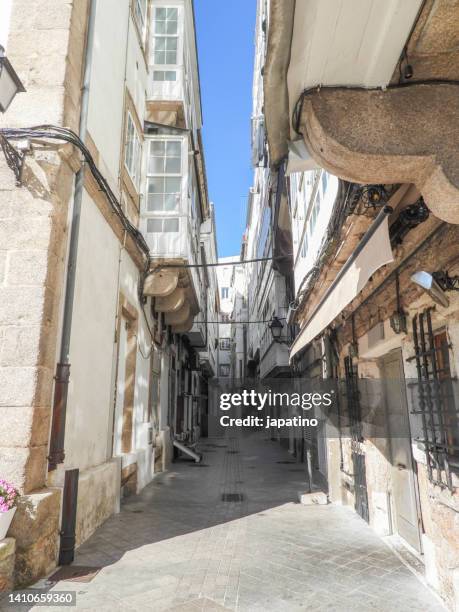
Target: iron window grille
435,402
355,422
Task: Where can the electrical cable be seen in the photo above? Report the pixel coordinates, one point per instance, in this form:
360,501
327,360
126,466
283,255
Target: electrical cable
57,133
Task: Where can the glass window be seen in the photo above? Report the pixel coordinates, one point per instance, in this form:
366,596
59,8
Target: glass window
165,43
224,369
140,13
225,344
164,175
133,151
164,75
166,20
324,182
225,293
161,225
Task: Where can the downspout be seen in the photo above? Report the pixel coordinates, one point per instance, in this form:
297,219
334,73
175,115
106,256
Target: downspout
56,445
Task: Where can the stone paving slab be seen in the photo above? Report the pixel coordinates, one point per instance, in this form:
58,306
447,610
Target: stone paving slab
179,547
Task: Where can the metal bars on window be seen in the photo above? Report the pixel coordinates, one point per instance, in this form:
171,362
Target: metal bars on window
435,401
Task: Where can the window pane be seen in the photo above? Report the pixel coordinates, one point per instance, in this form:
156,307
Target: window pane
155,202
160,57
157,147
154,226
160,27
173,165
171,57
171,44
170,202
173,185
159,75
171,225
156,165
160,13
171,27
160,43
174,149
171,75
172,14
156,185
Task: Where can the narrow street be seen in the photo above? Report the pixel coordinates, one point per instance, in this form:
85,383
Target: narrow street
179,546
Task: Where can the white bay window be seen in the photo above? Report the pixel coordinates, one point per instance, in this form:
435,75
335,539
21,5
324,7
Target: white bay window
164,176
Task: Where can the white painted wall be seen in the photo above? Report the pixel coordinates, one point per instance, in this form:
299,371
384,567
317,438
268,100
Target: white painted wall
92,341
5,14
106,101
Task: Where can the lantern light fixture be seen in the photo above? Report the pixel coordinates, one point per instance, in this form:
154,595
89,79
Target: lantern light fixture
10,83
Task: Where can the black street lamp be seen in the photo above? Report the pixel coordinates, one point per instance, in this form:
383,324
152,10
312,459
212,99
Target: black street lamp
276,326
10,83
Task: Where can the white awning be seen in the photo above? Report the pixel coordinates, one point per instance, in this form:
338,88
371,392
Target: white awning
373,251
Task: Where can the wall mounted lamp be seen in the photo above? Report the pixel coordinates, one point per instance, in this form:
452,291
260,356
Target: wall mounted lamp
435,284
398,319
10,83
276,326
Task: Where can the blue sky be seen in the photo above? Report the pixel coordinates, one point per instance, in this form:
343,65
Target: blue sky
225,30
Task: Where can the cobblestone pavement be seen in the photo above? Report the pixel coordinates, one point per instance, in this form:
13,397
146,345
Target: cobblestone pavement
178,546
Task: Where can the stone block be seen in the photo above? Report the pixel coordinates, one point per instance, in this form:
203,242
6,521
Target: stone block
37,515
24,305
3,255
25,467
51,12
313,499
24,426
20,346
29,268
38,560
35,234
7,561
98,497
7,548
31,386
38,106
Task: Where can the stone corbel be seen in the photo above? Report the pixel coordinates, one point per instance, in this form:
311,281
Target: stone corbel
399,135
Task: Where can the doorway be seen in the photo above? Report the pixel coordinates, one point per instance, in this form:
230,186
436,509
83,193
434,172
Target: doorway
405,498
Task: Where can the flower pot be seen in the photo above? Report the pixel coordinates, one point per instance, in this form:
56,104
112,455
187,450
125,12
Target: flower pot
5,522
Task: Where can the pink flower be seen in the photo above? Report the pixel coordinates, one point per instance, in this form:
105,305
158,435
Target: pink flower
8,496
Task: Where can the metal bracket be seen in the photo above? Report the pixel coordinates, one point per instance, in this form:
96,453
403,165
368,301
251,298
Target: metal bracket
14,158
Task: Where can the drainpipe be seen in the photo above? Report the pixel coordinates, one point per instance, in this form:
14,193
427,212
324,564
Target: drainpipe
56,445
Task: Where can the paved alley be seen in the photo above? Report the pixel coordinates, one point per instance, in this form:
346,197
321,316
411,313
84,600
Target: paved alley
179,546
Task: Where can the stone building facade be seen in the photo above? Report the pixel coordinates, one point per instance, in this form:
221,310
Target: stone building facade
100,327
374,308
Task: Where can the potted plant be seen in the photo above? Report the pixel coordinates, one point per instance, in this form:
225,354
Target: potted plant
8,500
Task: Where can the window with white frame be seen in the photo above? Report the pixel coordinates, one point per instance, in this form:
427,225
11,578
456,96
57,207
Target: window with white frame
133,151
140,14
225,293
164,176
225,344
165,42
164,75
224,370
162,225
